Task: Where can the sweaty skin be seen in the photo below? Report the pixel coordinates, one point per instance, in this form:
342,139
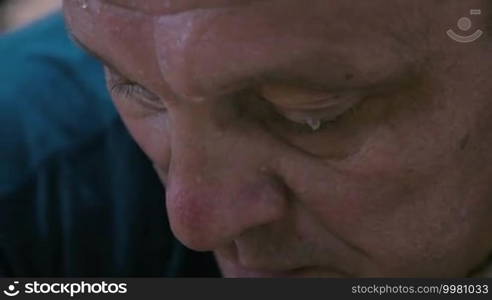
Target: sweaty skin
335,138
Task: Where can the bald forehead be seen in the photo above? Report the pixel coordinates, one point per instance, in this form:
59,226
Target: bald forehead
203,51
211,49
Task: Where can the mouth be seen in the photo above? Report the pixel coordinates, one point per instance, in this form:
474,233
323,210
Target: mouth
231,268
177,6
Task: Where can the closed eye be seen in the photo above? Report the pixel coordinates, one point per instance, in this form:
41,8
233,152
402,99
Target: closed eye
126,90
307,110
313,122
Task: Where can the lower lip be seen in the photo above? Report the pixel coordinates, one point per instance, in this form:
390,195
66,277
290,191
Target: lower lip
177,6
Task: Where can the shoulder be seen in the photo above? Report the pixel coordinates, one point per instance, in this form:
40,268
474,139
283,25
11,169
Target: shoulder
78,196
52,96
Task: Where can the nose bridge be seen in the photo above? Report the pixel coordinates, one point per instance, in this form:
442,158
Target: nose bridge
218,185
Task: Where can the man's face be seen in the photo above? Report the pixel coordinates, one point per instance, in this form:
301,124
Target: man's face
309,138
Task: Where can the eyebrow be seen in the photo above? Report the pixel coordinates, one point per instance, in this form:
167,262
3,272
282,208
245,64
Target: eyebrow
304,79
270,76
92,53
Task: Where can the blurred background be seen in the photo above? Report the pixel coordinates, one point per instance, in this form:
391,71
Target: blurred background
17,13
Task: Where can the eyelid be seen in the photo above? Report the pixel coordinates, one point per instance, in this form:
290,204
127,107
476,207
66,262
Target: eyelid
295,96
315,120
313,109
289,98
124,88
302,116
137,93
134,89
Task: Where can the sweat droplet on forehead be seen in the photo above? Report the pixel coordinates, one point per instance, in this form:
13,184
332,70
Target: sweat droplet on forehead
208,52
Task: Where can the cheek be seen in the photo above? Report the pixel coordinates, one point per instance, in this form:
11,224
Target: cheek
414,199
403,189
149,130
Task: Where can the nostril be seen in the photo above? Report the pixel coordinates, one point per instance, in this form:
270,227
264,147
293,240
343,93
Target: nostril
192,218
206,216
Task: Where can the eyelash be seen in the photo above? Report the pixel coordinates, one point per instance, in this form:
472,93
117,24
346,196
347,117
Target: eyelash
305,127
122,90
129,90
135,92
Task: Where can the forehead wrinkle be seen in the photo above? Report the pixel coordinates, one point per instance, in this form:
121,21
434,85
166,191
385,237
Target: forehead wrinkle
291,67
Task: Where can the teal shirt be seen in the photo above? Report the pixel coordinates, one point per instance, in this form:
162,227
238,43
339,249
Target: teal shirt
77,196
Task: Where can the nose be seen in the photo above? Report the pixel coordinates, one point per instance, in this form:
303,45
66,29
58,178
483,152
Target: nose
219,184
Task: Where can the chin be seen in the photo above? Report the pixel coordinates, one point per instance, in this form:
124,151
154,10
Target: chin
298,273
230,270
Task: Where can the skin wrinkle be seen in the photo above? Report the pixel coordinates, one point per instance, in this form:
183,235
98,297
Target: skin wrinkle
193,45
270,232
183,40
293,197
380,193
